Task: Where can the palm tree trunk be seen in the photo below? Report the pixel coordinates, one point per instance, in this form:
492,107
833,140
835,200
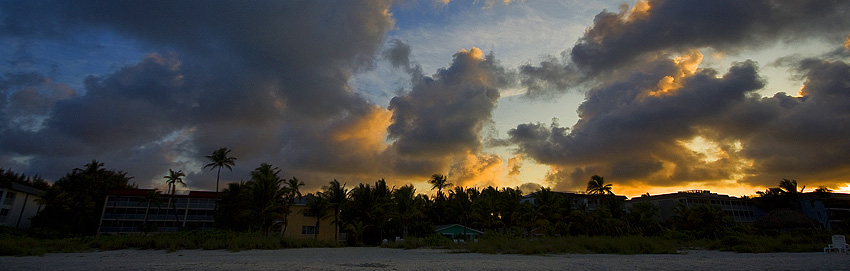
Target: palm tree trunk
316,232
285,224
336,224
174,208
145,221
217,177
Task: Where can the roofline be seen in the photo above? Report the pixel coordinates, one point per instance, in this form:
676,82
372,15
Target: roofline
442,227
143,191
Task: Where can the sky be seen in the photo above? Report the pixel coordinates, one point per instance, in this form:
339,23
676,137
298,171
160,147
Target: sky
655,96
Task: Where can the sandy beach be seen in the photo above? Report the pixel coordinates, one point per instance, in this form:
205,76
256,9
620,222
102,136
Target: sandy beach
418,259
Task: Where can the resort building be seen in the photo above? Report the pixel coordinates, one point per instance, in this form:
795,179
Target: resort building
126,210
740,209
831,210
18,204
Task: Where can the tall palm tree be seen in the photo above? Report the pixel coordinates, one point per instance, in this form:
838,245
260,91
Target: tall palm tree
597,186
337,195
438,181
293,190
266,196
172,179
220,159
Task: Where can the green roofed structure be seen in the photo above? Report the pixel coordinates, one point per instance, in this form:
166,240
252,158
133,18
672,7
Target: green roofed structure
458,232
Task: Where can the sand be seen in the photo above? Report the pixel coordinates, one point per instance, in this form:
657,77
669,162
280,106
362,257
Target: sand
417,259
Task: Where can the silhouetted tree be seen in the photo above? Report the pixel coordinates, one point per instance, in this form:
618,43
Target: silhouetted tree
172,179
292,191
266,196
152,198
220,159
337,196
317,207
74,203
439,182
597,186
230,209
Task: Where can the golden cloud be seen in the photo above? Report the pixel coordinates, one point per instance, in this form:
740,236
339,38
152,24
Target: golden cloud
687,66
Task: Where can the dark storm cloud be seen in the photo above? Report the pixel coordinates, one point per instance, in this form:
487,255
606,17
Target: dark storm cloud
797,137
241,75
446,113
398,54
629,136
133,106
624,133
621,39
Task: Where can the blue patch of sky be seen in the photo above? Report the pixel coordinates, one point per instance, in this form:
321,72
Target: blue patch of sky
69,60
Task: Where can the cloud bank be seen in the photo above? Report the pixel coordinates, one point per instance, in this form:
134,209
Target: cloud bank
652,117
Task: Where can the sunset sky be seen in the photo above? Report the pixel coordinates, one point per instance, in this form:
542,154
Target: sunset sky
655,96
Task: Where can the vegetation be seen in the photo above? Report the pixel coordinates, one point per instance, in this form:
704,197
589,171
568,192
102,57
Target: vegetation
250,213
7,175
16,242
73,203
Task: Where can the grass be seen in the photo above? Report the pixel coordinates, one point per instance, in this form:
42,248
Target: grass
20,243
16,242
782,242
669,243
573,244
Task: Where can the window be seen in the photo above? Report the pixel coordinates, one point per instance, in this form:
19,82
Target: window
10,198
308,229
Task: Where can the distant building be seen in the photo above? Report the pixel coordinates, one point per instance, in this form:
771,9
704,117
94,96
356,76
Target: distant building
126,210
18,204
458,232
832,210
740,209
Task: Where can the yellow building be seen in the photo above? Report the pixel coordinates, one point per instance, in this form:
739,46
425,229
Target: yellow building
303,226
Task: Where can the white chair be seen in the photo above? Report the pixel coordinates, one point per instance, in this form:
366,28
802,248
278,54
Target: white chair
838,243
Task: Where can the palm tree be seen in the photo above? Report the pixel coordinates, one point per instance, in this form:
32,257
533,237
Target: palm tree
172,179
438,181
318,207
220,159
790,187
266,196
293,190
152,198
337,195
597,186
407,207
356,229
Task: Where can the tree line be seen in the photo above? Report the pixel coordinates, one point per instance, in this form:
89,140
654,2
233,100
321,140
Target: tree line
370,213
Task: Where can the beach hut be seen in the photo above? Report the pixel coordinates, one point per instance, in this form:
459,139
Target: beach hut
458,232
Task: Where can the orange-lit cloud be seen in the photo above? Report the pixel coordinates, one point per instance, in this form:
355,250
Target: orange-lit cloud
639,11
847,43
514,166
368,132
477,170
687,65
